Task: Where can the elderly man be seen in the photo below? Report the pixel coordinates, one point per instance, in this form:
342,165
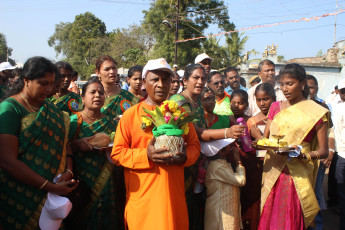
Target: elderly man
266,71
154,182
204,60
233,80
217,83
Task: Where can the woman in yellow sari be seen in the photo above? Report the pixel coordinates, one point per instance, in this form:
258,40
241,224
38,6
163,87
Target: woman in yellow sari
287,196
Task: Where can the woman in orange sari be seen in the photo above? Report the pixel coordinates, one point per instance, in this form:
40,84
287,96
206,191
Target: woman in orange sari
287,196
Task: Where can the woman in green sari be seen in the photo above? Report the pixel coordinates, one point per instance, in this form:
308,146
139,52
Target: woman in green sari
64,99
33,147
117,100
101,182
194,80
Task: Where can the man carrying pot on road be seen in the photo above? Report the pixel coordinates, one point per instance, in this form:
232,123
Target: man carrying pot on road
154,182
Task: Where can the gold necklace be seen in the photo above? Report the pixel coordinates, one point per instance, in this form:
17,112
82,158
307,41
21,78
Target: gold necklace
91,118
33,108
195,104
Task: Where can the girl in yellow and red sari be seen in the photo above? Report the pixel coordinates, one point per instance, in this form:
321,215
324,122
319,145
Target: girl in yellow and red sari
287,196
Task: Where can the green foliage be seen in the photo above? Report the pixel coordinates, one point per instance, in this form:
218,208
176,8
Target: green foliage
320,53
74,40
194,18
4,49
281,58
228,54
81,42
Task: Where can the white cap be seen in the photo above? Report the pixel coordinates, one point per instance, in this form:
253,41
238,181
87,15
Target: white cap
180,73
202,57
174,66
341,84
54,210
6,66
156,64
211,148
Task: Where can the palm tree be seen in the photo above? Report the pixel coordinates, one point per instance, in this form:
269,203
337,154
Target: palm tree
235,46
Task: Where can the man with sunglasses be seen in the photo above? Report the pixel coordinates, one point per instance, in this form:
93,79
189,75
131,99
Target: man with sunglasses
216,82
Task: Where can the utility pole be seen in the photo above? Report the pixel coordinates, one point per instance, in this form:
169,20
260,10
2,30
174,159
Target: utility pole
335,23
176,29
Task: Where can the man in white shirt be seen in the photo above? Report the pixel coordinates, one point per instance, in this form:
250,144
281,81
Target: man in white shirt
267,74
338,118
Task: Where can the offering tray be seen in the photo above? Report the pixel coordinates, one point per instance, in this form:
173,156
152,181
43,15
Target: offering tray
110,146
274,148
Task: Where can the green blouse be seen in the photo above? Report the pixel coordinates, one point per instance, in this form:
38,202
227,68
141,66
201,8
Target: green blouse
11,114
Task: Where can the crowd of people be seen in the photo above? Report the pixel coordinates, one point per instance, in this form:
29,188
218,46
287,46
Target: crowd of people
47,125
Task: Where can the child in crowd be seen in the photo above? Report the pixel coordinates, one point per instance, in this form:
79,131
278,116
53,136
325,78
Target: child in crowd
135,81
213,121
223,208
265,96
239,104
250,193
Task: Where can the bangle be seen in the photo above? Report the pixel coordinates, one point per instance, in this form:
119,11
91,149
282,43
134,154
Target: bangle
307,156
44,184
70,155
225,137
67,170
317,154
331,150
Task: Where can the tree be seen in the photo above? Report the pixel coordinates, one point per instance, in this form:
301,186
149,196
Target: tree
281,59
75,40
320,53
5,51
131,46
212,47
194,19
235,46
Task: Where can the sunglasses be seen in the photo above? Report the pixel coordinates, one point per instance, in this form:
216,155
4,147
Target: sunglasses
219,82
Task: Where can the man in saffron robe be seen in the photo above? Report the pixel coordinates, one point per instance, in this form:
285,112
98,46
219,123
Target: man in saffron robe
155,191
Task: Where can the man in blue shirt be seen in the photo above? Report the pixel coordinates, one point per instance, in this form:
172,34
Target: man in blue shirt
233,79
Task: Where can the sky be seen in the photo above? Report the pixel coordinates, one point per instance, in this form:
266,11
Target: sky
27,25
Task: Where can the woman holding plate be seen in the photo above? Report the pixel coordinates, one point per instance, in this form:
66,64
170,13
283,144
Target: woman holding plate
287,196
102,194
